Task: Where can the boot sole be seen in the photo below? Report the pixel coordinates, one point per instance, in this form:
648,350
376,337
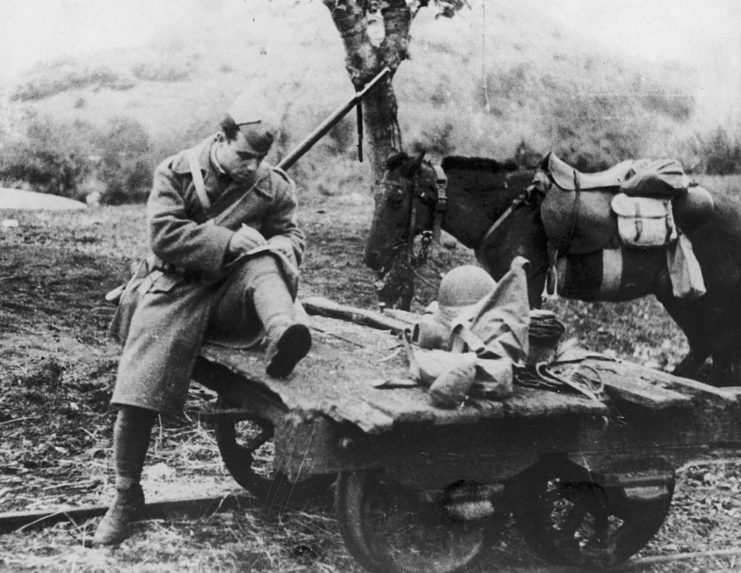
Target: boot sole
292,346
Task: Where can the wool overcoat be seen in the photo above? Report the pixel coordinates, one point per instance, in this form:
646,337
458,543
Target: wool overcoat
174,289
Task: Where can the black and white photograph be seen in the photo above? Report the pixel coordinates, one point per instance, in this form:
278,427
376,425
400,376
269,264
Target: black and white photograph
383,286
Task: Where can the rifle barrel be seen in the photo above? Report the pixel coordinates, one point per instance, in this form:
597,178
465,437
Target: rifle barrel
319,132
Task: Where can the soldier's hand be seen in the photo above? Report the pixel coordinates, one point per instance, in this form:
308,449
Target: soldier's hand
282,244
245,239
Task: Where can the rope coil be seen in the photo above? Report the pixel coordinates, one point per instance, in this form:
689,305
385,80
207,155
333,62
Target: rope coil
562,378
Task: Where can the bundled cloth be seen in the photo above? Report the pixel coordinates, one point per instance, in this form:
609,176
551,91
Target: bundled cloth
659,178
476,344
544,336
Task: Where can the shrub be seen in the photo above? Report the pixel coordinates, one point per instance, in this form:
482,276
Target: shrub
125,161
679,107
69,159
49,156
161,71
61,76
343,136
720,151
339,176
595,131
526,156
436,139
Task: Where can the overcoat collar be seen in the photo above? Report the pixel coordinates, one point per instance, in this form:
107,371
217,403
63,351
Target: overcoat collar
263,186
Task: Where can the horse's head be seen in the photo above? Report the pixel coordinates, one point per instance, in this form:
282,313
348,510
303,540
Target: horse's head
487,205
407,185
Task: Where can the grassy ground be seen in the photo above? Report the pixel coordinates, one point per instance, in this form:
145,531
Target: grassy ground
57,368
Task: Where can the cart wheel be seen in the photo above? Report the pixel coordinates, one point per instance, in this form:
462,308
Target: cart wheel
575,521
246,446
391,529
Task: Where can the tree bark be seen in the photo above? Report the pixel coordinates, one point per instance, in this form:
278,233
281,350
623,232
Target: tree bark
364,60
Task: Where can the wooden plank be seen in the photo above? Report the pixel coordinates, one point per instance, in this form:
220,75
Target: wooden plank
535,403
662,385
638,387
337,377
653,398
365,416
337,380
411,406
337,405
685,385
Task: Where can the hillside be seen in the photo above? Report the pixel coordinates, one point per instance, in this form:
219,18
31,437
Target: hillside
546,88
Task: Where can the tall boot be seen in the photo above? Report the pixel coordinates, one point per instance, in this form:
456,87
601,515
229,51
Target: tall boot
288,340
131,436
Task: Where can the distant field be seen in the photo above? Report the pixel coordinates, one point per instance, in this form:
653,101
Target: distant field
730,184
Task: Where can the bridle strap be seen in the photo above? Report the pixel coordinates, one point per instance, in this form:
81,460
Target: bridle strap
441,204
521,199
441,207
412,220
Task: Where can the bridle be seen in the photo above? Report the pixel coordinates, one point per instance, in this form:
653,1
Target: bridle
438,204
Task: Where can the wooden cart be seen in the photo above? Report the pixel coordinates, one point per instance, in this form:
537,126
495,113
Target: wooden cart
425,489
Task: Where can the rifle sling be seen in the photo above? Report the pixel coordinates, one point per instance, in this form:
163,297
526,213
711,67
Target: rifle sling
195,171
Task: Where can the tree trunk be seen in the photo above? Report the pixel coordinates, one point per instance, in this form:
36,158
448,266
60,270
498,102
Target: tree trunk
381,125
364,60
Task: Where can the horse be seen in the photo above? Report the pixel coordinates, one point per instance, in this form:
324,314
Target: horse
490,207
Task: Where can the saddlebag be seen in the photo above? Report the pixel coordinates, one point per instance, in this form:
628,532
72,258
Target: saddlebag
644,221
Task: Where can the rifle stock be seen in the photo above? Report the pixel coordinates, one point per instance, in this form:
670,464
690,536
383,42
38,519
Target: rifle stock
319,132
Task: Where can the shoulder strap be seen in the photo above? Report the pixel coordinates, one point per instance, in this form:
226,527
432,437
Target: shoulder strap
195,171
282,173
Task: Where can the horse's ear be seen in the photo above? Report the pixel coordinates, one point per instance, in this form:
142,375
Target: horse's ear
396,159
415,162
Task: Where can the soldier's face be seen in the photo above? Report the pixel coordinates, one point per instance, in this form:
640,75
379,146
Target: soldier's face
238,158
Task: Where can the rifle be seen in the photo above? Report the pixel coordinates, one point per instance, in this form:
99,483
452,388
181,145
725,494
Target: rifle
331,121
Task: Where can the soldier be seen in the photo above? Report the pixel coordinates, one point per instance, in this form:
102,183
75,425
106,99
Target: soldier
225,251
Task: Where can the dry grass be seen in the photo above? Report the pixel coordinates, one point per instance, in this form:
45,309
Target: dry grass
57,354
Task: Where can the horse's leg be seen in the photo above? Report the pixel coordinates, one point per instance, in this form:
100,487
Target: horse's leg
727,344
407,295
726,361
711,330
726,352
690,319
397,287
691,363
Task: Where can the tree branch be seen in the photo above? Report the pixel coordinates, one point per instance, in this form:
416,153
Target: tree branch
397,20
361,60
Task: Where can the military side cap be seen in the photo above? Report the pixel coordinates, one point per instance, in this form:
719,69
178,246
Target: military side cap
256,120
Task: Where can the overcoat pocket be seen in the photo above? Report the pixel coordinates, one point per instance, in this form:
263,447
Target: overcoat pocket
139,285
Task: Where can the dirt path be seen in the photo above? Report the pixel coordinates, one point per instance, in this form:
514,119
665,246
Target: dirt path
32,201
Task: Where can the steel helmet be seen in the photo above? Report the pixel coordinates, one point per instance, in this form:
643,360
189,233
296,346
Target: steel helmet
464,286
